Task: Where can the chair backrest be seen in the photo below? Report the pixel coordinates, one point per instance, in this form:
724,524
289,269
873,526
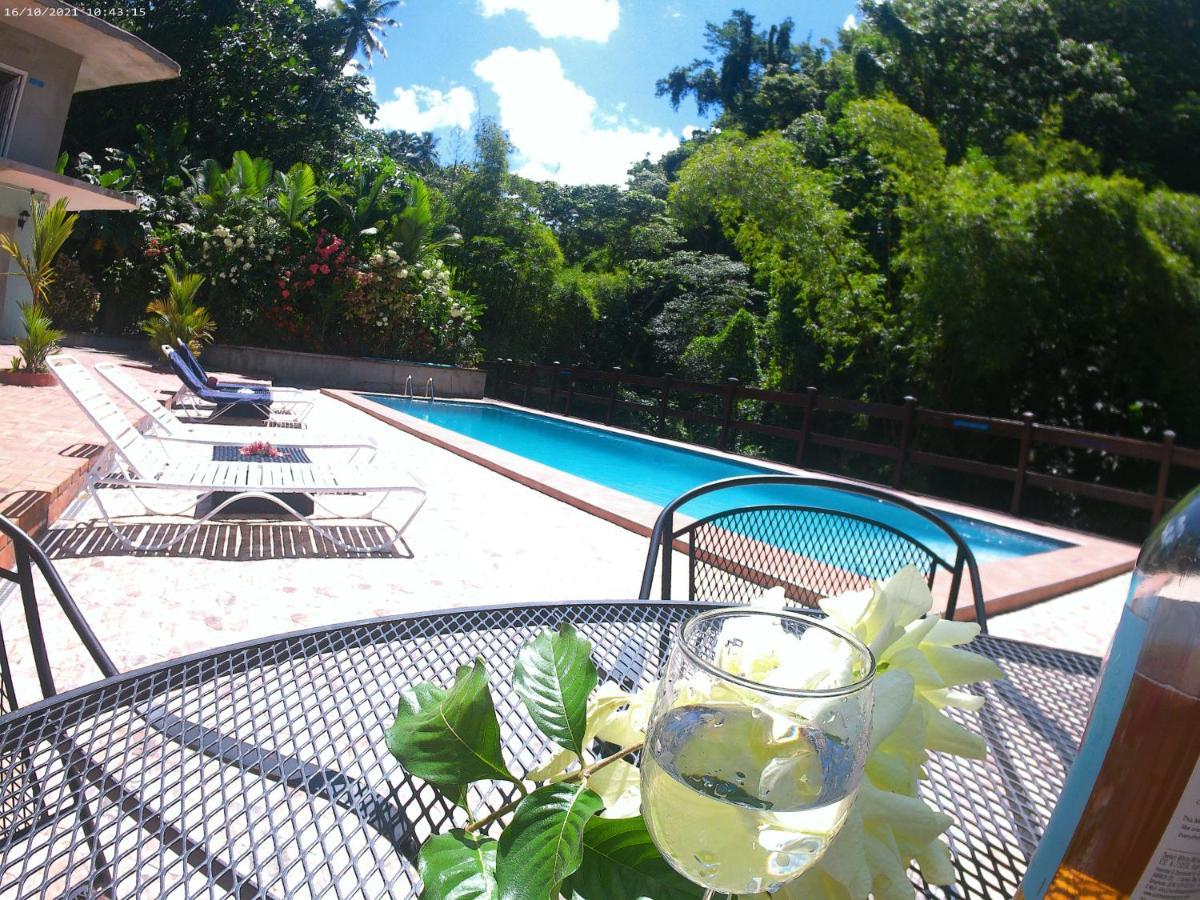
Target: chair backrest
814,537
143,455
28,558
189,359
185,373
140,396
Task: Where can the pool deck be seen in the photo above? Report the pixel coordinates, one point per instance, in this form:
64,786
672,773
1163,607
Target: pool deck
1008,585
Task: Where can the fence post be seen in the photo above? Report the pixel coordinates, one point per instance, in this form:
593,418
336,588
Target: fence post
528,384
554,385
570,391
906,433
1022,462
612,395
810,404
731,387
664,402
1164,473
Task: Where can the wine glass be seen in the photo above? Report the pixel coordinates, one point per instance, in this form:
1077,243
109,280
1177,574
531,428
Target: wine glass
755,746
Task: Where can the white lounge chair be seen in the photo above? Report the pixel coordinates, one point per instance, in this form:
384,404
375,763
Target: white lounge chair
166,426
145,465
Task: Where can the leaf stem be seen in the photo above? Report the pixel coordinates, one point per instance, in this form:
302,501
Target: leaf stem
577,775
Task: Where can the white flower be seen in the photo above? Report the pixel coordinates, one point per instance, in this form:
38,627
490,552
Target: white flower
185,228
426,275
229,243
376,260
221,231
246,266
392,254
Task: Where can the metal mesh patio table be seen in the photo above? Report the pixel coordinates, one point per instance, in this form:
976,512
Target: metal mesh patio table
260,770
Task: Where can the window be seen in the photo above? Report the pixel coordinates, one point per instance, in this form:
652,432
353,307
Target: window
12,83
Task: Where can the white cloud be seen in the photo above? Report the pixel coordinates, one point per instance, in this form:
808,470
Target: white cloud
423,109
850,23
325,4
591,20
556,126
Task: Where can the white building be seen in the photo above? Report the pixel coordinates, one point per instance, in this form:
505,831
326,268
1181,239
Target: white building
48,52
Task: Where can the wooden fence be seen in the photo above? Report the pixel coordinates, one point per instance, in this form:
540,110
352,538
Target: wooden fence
562,389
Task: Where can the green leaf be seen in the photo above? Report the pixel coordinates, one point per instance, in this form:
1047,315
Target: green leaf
620,862
449,738
544,842
458,866
554,675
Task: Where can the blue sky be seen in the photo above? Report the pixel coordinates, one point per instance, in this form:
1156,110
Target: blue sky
571,80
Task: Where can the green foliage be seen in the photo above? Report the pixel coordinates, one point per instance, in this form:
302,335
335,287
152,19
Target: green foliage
297,193
1079,269
51,226
544,842
264,76
72,299
553,676
780,216
363,24
620,861
458,866
177,316
39,341
449,738
731,353
552,839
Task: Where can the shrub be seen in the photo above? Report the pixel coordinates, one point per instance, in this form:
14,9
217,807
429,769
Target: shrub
72,299
176,317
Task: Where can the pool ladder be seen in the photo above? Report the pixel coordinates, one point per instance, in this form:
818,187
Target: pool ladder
408,390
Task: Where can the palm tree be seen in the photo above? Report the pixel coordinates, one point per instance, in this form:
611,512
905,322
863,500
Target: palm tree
363,25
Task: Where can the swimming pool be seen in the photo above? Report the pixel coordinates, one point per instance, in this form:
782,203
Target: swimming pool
659,472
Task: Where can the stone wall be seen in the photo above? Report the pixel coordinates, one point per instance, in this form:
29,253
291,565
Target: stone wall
345,372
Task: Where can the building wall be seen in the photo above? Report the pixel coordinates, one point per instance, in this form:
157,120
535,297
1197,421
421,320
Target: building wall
14,289
52,71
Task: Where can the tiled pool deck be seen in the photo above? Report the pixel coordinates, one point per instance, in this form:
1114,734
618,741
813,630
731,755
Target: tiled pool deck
482,538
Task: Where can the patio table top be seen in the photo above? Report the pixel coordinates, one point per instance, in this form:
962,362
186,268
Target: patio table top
260,769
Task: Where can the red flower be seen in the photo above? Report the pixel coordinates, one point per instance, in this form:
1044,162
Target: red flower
286,294
313,268
324,270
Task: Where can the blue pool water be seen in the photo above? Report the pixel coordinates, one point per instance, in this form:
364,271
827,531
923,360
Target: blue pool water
659,473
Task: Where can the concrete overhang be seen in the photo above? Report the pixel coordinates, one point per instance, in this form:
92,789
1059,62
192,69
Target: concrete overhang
110,55
80,195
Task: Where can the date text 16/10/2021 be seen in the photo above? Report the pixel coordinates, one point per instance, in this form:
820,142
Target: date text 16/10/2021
130,12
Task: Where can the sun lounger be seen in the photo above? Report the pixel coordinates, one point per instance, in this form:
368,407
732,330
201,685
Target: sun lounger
166,426
259,403
145,466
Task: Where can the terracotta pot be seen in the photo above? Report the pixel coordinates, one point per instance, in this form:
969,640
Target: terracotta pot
28,379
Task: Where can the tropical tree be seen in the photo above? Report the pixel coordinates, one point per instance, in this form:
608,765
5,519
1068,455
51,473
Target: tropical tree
51,227
177,316
364,24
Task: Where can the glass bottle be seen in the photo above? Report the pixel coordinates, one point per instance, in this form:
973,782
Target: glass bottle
1128,822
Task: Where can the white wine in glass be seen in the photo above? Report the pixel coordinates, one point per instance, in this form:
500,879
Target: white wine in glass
755,747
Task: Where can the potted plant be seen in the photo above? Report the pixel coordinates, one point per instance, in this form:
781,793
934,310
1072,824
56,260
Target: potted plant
51,227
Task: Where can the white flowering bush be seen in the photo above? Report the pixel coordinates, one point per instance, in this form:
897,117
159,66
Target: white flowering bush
408,309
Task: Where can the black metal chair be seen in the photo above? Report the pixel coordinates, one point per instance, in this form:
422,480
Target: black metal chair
28,557
26,803
811,548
